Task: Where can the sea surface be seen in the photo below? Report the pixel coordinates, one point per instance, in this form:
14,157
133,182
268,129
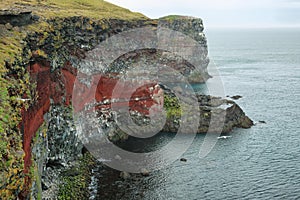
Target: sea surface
263,66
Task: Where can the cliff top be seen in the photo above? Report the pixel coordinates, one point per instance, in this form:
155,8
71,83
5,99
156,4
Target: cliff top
96,9
14,14
178,17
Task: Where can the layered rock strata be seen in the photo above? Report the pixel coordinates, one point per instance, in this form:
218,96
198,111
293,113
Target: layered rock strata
55,58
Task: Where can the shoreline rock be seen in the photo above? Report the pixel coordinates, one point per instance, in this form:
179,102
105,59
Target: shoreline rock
231,116
236,97
49,58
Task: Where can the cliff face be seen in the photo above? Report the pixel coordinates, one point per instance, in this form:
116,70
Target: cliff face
51,49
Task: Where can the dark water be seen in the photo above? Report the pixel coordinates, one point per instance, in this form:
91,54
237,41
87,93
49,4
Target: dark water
259,163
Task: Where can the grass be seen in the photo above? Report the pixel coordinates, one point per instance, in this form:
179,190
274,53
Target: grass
48,9
10,45
95,9
174,17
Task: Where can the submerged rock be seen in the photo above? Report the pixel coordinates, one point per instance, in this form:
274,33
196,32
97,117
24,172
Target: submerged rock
125,175
145,172
236,97
262,122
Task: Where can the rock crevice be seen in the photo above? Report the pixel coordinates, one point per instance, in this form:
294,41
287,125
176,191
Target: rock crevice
17,17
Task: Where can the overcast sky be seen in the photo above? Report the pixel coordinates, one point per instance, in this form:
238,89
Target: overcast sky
223,13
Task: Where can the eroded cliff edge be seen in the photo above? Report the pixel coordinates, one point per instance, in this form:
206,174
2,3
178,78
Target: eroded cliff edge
40,53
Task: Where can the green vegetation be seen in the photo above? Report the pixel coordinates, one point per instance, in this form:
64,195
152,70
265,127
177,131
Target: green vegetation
10,45
95,9
170,17
38,144
173,17
12,178
172,106
75,180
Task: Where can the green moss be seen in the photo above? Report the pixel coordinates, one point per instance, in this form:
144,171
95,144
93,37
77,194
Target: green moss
172,106
75,181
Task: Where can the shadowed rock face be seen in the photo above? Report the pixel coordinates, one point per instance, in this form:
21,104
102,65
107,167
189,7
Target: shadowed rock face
17,17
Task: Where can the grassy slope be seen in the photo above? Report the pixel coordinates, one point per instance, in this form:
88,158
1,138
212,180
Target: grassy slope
11,156
97,9
47,9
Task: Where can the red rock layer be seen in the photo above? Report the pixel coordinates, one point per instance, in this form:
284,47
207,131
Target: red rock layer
59,86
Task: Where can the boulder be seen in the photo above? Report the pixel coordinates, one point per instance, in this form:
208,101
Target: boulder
125,175
236,97
17,17
145,172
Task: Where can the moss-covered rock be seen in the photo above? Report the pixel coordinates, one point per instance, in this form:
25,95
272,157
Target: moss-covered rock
75,181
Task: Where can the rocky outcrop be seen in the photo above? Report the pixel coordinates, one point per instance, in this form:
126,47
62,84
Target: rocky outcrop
58,54
17,17
193,28
217,115
234,116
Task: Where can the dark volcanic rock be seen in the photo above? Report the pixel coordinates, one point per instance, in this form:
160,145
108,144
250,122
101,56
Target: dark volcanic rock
216,115
17,17
236,97
193,28
262,122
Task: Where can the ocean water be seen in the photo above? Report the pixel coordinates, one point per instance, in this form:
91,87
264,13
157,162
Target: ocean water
263,66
